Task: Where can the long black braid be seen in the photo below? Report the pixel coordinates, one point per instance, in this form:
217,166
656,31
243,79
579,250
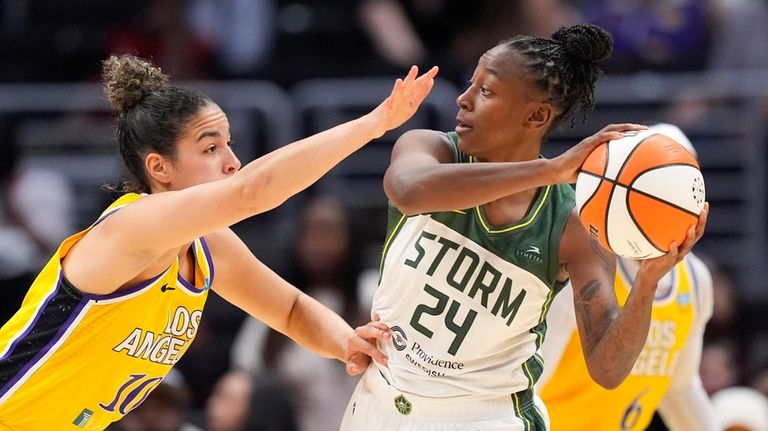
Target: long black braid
564,67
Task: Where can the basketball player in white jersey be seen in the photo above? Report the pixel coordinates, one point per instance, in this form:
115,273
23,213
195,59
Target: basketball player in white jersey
482,234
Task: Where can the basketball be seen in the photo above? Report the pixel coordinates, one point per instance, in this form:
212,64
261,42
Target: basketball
637,194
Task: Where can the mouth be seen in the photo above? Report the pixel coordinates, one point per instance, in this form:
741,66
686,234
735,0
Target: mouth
462,127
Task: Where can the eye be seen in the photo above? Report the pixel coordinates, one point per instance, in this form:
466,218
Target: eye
485,91
231,143
211,149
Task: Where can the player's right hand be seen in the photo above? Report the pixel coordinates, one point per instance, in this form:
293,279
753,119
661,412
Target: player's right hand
568,164
362,346
405,99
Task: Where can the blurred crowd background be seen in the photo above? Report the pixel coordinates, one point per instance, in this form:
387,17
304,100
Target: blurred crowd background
283,69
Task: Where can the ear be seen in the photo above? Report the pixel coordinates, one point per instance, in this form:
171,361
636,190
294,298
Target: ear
158,168
540,116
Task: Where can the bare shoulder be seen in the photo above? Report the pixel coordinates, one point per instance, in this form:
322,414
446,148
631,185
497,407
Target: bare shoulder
424,141
424,135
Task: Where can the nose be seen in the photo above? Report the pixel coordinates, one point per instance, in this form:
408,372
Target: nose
232,163
464,100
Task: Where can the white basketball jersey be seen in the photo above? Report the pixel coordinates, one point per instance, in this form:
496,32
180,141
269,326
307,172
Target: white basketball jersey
466,301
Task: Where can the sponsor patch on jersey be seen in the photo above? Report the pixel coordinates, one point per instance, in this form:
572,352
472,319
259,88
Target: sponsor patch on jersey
398,338
403,405
530,252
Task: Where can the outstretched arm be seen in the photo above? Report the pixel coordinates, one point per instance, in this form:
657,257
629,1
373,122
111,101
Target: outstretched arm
421,177
121,247
247,283
612,339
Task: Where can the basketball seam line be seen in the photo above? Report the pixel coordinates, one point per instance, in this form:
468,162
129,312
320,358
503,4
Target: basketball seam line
629,187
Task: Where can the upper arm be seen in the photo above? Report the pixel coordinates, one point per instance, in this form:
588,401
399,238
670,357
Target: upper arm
591,270
247,283
414,151
146,235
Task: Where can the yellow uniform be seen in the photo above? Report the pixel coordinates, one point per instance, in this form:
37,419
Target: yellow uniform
575,402
79,361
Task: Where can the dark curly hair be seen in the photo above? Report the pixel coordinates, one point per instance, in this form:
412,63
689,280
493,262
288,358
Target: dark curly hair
151,115
564,67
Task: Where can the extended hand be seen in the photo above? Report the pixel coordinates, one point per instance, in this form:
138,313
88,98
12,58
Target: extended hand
569,163
361,346
404,100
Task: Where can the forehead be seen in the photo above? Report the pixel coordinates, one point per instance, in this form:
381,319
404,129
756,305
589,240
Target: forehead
501,62
208,117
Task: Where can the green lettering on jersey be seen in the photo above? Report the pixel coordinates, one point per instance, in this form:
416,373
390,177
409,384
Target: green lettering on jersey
464,254
502,302
419,249
480,284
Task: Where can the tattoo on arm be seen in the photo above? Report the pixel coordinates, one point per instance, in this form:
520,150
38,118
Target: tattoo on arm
594,326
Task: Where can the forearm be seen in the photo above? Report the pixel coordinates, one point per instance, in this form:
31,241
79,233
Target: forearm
614,354
275,177
449,186
318,328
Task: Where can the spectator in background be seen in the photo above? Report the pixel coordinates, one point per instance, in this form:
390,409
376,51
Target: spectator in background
240,33
656,35
160,30
326,264
718,367
36,213
452,35
730,325
241,403
309,39
736,26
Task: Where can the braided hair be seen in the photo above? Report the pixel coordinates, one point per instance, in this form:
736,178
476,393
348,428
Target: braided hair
564,67
151,115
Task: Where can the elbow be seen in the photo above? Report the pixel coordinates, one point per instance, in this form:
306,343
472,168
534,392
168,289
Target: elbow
253,194
404,195
607,379
609,382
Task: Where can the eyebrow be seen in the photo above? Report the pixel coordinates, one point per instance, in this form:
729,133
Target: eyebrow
208,134
492,71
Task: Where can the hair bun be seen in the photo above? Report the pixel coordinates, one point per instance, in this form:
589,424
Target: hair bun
127,79
585,42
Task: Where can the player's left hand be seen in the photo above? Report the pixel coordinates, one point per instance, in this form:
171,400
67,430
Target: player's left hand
362,346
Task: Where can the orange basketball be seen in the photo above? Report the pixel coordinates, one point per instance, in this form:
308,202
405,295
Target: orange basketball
637,194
